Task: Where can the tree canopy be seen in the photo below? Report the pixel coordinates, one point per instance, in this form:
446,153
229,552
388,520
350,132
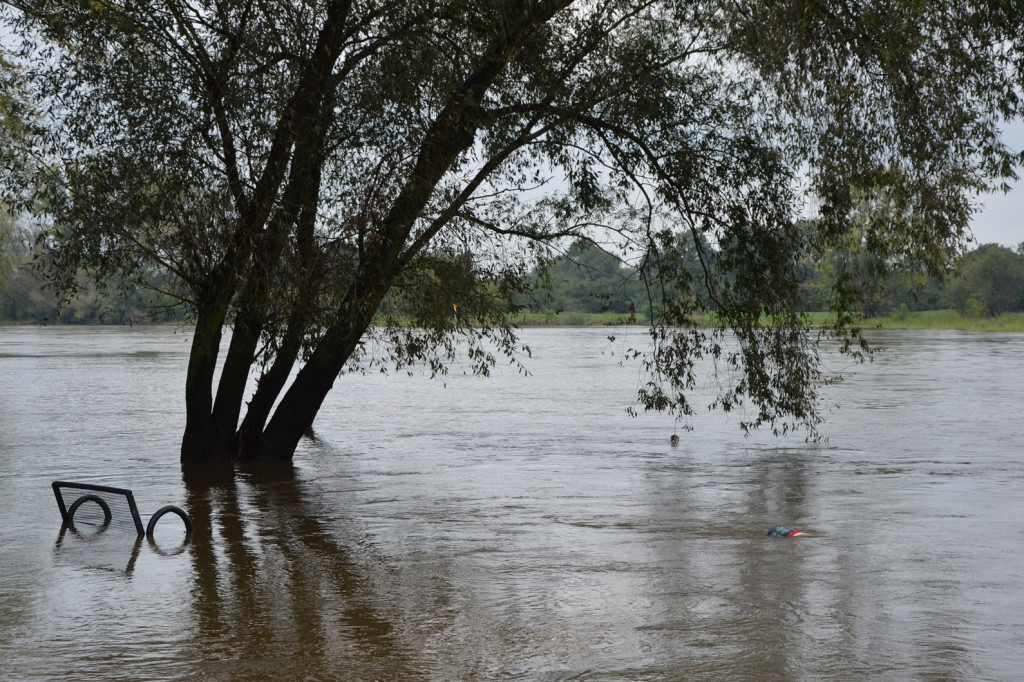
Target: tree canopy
367,181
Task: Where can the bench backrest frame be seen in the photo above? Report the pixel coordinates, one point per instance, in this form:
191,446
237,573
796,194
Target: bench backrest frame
92,488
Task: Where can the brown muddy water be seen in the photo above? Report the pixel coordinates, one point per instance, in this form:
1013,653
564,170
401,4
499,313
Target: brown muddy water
519,527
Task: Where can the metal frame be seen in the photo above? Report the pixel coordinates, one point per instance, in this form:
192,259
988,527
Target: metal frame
90,487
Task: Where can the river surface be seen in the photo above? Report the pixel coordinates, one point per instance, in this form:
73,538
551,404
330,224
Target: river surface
519,527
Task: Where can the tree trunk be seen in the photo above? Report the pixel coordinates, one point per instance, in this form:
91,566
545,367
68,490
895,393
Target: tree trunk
294,415
205,439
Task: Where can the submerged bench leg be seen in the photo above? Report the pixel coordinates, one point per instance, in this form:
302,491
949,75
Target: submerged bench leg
168,509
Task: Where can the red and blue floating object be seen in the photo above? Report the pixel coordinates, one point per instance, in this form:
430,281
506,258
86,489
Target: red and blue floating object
784,532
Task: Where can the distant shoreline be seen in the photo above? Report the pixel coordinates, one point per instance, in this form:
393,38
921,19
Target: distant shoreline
937,320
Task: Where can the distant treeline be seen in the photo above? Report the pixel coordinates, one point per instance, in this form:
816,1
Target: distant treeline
25,299
988,281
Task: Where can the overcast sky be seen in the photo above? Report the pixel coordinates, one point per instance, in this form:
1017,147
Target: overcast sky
1002,219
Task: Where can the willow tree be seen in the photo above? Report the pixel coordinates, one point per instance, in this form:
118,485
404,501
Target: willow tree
371,181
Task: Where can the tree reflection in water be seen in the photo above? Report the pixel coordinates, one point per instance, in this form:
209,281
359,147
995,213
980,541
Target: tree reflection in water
276,591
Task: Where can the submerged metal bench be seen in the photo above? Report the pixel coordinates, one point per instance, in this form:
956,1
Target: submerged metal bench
104,506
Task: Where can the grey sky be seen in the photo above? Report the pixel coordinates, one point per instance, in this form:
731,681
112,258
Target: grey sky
1002,219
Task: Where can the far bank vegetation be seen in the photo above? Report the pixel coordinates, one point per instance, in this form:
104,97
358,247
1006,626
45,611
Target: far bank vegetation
586,286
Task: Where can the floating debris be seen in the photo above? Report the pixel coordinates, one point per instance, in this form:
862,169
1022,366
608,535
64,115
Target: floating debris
783,532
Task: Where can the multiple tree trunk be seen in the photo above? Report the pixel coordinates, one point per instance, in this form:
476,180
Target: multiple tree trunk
269,433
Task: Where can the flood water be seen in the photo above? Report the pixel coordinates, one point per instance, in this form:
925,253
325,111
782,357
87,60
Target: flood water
519,527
